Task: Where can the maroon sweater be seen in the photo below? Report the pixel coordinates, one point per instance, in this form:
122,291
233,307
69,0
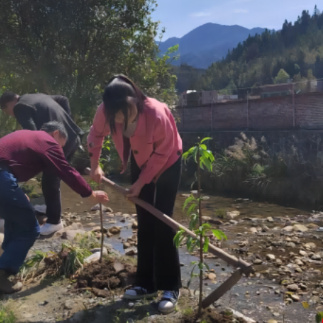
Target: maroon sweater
28,153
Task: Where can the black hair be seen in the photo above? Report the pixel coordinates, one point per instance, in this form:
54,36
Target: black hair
6,98
52,126
118,94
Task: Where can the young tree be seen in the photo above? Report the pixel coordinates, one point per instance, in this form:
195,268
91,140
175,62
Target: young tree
282,77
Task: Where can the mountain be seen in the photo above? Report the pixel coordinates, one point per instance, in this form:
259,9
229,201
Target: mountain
208,43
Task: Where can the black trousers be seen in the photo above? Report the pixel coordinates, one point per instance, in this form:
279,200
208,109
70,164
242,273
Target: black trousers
158,259
51,186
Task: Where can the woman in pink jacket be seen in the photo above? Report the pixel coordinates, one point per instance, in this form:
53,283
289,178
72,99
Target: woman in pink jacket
144,129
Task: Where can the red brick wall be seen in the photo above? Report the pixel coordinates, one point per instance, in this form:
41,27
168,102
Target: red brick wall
270,113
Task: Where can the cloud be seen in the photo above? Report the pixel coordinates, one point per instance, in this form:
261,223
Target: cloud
200,14
240,11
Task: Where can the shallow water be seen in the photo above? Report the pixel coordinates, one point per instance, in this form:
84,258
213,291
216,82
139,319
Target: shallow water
255,296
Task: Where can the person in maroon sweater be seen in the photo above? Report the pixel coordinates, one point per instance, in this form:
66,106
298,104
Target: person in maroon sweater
24,154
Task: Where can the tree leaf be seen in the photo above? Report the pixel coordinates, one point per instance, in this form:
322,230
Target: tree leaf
205,139
219,234
305,305
319,317
206,244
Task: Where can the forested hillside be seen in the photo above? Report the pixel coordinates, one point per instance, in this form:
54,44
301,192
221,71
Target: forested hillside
293,53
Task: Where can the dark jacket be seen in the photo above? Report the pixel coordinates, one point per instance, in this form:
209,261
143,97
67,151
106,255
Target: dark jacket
33,110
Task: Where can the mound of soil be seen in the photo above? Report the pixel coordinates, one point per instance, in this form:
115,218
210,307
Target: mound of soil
211,316
110,274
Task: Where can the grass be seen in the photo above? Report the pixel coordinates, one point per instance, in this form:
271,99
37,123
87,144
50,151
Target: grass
6,315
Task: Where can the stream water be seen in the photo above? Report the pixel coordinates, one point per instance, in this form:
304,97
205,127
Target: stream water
260,297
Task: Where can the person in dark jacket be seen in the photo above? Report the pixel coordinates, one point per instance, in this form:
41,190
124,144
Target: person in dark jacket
32,111
24,154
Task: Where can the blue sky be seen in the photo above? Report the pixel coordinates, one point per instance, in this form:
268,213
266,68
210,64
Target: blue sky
181,16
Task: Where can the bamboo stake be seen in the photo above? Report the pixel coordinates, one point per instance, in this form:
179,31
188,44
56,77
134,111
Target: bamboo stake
102,233
231,260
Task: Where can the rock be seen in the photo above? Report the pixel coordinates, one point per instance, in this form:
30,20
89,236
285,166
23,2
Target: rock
298,270
312,226
253,230
126,245
233,222
298,262
98,229
270,257
257,261
314,300
278,262
316,256
185,195
300,227
105,250
310,245
272,321
115,230
71,234
292,287
270,219
288,228
131,251
303,253
206,218
233,214
104,208
118,267
295,298
74,226
211,276
69,304
134,225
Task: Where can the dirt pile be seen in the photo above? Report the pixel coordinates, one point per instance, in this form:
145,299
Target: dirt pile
111,274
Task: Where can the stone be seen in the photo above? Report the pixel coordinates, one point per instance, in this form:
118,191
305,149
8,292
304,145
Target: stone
257,261
118,267
93,258
278,262
232,214
272,321
292,287
316,256
126,245
115,230
98,229
134,225
270,257
303,253
185,195
71,234
211,276
69,304
104,208
312,226
288,228
298,270
300,227
131,251
295,298
100,292
310,245
253,230
233,222
270,219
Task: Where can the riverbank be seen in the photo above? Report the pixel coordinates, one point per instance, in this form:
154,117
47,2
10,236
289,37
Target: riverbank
283,243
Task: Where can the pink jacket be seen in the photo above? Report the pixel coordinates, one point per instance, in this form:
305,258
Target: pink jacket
156,143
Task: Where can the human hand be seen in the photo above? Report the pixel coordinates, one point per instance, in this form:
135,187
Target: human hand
135,189
100,197
96,174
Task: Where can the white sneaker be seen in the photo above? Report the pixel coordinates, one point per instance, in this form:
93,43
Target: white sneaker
138,293
168,302
48,228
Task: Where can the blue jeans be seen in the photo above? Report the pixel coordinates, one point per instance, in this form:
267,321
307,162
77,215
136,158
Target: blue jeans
21,227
